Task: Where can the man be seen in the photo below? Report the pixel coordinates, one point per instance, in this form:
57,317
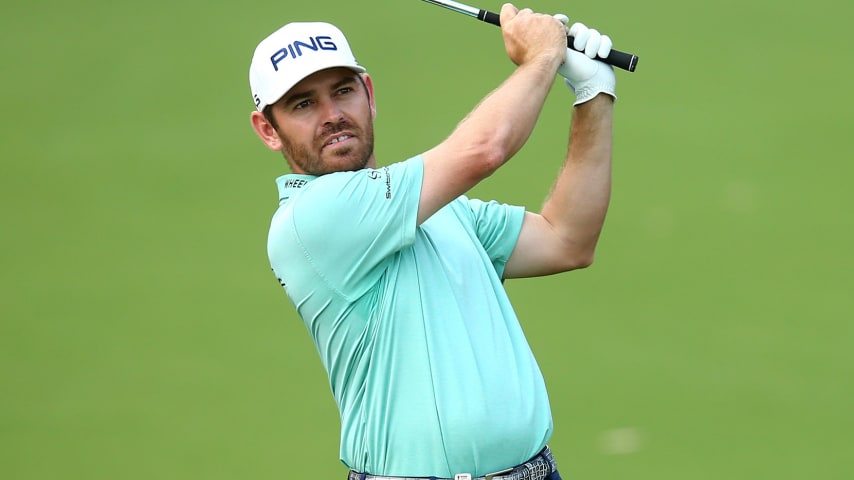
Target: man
398,275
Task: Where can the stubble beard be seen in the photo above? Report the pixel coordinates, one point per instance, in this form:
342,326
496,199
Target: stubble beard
308,157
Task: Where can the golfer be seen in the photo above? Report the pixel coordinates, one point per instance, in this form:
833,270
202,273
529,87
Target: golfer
398,275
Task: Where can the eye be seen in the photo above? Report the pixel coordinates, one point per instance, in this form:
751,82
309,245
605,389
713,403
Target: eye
345,90
303,104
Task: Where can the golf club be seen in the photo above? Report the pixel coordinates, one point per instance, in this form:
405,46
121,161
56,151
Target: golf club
616,58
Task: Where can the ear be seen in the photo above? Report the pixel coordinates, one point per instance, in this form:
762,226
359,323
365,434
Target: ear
369,85
265,131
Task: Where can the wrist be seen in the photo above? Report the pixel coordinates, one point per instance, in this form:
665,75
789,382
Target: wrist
600,100
548,63
588,92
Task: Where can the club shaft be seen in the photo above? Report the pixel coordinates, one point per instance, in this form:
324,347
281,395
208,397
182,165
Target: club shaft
457,7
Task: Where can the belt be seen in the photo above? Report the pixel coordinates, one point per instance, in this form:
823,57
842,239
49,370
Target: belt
537,468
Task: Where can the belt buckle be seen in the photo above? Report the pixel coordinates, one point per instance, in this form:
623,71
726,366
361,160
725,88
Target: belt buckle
490,476
462,476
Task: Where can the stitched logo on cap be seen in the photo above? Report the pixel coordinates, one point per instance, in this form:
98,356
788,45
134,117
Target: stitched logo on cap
298,49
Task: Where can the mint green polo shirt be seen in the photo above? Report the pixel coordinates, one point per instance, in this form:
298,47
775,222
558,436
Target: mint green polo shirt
429,367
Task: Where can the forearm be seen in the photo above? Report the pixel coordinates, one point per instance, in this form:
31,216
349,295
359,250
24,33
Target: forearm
503,121
579,200
489,136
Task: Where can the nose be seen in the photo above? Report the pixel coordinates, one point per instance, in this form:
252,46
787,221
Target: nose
331,112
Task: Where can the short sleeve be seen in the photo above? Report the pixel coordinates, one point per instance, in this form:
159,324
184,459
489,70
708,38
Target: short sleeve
497,226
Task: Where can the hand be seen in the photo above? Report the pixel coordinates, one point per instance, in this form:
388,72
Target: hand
530,36
584,75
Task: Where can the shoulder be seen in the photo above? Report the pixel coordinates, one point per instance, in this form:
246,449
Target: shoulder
366,183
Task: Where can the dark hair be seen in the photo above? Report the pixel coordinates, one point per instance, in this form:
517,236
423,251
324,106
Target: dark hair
268,114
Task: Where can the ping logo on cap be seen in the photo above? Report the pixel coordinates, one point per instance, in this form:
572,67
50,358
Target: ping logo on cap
295,49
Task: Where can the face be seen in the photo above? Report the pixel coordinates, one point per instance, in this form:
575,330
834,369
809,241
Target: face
325,123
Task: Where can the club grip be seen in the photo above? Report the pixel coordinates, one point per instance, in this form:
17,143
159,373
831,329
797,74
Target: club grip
616,58
489,17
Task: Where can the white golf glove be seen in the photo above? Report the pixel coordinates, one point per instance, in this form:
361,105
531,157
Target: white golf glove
584,75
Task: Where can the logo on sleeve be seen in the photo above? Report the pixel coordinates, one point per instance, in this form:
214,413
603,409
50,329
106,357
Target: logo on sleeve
375,175
387,182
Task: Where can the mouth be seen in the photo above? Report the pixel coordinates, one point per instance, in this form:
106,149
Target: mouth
338,139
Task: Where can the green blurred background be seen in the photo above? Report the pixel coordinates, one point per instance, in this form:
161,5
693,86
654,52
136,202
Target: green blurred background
144,337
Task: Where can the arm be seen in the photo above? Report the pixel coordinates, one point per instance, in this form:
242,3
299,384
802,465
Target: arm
564,235
503,121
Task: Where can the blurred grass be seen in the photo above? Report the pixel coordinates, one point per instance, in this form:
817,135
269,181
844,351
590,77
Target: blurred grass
143,336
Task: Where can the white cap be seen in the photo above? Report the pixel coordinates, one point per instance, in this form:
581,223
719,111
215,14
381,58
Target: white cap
292,53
